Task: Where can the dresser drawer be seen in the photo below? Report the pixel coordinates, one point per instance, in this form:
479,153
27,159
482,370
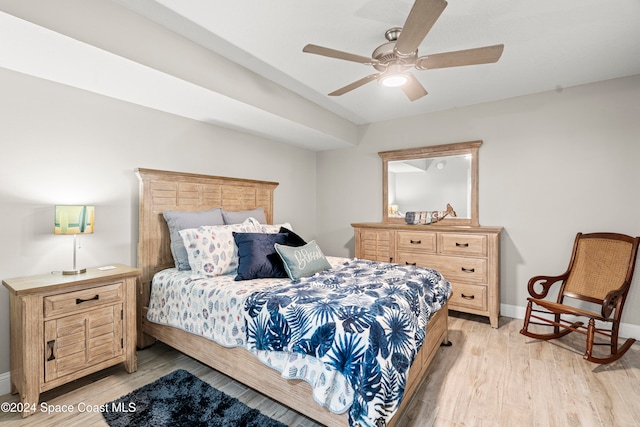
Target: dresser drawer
79,300
462,244
467,270
468,296
417,241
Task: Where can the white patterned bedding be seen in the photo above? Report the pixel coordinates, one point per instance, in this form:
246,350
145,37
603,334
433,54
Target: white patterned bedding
212,307
351,332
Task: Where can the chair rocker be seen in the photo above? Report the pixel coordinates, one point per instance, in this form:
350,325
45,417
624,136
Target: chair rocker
600,272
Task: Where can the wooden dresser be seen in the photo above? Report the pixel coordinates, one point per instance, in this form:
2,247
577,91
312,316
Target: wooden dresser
467,256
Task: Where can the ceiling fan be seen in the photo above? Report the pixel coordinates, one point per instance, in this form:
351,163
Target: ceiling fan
393,59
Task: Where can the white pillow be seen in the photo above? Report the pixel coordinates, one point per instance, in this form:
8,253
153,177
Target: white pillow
274,228
212,249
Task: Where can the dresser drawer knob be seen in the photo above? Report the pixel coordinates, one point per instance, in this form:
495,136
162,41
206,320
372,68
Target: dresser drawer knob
415,242
468,296
468,270
411,263
80,301
462,245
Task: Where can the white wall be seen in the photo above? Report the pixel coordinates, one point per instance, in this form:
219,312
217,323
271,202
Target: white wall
63,145
551,165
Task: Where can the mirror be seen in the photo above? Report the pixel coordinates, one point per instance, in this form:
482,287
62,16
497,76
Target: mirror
429,178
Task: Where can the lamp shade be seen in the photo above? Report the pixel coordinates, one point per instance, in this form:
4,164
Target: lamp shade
73,219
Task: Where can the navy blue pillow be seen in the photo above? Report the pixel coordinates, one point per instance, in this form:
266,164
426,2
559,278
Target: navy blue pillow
257,255
292,238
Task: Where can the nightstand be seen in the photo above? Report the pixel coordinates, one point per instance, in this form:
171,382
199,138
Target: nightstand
65,327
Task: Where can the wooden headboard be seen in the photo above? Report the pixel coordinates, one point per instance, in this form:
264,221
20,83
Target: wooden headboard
163,190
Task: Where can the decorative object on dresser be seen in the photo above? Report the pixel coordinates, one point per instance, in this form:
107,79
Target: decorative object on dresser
428,217
467,254
65,327
74,220
600,272
162,190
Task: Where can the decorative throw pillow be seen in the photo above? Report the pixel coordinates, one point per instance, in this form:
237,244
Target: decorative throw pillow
212,249
302,261
292,238
231,217
257,257
273,228
181,220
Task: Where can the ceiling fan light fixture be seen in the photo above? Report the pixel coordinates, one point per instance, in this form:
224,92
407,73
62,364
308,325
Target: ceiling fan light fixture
394,80
394,76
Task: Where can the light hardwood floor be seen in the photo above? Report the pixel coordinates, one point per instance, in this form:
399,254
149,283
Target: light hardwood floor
489,377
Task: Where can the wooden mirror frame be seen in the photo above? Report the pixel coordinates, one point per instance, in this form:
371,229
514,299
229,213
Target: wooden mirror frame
461,148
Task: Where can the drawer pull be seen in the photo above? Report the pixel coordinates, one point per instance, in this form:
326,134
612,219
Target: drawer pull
50,345
468,270
415,242
462,245
468,296
411,263
80,301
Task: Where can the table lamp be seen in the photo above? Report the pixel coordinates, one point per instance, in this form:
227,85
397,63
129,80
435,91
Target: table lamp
74,220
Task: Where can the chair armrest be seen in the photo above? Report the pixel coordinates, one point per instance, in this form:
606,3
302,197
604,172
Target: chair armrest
611,301
546,282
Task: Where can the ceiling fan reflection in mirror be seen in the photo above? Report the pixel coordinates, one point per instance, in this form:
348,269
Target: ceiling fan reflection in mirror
394,59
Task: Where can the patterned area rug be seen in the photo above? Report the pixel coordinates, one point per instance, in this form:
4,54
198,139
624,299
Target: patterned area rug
181,399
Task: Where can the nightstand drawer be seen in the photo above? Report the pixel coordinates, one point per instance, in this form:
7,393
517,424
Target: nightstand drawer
80,300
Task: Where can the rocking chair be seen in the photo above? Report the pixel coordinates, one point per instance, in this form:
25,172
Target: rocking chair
600,272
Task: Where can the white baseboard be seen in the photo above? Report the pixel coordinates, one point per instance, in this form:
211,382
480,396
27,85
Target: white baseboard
5,383
627,330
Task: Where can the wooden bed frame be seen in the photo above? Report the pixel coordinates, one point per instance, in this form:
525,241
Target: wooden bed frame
162,190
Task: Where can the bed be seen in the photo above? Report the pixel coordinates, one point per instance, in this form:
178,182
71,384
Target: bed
163,190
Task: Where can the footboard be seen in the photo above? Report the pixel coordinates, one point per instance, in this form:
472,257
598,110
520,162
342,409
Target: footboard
244,367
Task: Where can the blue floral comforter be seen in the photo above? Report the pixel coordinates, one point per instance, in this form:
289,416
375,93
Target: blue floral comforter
365,319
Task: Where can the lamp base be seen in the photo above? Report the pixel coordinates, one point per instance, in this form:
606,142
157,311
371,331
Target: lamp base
70,272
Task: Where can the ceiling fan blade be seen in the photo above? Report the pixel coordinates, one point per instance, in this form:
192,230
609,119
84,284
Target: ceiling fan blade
480,55
332,53
413,89
422,17
354,85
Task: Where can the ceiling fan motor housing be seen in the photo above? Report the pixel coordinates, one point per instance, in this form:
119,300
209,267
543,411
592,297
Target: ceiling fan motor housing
386,54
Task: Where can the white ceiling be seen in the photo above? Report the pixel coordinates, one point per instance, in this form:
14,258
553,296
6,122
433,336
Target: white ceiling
549,45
